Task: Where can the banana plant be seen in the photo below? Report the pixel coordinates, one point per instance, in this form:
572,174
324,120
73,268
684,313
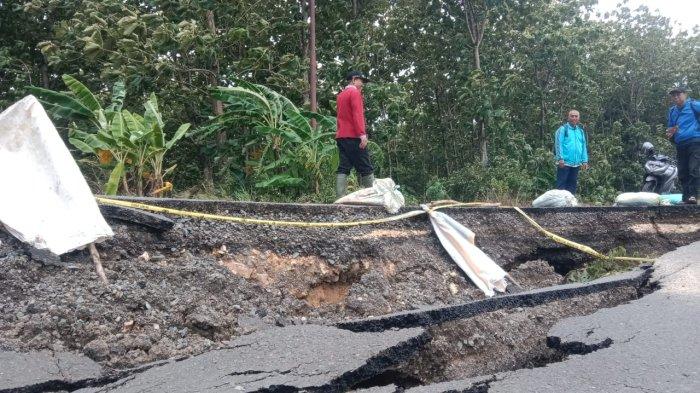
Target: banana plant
134,141
148,134
291,153
317,152
93,129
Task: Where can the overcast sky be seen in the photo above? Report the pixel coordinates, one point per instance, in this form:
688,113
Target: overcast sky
685,12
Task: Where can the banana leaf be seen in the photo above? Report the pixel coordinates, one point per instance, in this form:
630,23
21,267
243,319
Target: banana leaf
118,95
181,131
82,146
82,93
61,104
113,183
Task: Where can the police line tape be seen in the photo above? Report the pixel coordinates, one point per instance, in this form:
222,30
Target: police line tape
305,224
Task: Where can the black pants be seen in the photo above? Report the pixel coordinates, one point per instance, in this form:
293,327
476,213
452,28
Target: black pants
689,168
351,156
567,178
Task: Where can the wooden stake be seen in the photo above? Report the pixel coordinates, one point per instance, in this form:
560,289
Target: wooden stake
98,264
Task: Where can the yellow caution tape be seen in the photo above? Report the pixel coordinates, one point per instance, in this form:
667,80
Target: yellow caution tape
574,245
301,224
304,224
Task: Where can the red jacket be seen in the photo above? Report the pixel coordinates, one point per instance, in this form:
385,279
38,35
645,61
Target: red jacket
351,114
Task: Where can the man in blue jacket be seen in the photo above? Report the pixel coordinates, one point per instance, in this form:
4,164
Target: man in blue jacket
571,152
684,130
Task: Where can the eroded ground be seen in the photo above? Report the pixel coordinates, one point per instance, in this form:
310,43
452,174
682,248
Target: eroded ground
203,284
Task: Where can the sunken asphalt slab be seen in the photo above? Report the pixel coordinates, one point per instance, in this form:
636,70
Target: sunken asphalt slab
307,357
649,345
429,316
139,217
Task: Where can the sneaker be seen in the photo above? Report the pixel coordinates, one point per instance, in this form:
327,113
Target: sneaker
692,201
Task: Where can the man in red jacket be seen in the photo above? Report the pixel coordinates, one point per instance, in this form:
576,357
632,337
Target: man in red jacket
351,136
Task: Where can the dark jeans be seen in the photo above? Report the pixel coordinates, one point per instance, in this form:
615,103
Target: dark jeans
689,169
567,178
351,156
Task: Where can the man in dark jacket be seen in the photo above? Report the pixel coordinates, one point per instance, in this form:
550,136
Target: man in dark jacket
351,135
684,130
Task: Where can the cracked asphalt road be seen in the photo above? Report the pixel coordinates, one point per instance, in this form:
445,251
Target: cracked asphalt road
38,370
309,357
655,345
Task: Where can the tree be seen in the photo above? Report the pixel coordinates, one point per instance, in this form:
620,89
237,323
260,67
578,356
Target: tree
457,83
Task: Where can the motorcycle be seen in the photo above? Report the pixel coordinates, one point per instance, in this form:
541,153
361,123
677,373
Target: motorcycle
660,171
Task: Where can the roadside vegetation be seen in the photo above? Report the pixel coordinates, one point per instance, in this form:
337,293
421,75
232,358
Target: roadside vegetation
211,99
602,267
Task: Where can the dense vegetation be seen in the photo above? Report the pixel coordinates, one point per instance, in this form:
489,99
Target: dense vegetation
465,99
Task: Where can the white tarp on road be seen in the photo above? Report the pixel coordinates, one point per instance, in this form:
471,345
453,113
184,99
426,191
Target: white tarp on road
458,241
44,199
384,192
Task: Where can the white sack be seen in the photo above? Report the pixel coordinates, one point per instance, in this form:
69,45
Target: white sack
45,200
384,192
458,241
555,198
640,199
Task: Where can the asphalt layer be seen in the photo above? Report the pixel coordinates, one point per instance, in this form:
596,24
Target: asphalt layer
309,358
648,345
435,315
40,371
139,217
501,232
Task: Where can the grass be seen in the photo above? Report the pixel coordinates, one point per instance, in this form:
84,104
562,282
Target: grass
602,267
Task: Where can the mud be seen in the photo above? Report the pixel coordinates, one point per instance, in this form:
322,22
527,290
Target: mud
201,284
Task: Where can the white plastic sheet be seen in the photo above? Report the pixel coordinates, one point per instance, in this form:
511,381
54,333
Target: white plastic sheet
45,200
458,241
384,192
555,198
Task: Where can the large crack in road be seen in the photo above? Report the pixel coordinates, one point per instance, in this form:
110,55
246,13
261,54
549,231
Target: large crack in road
207,287
647,345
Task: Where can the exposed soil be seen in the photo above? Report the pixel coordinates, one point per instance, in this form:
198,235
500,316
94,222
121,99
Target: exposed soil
536,274
158,307
203,283
502,340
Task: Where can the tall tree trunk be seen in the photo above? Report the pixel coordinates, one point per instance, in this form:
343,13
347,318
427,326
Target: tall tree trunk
355,8
480,125
312,51
476,14
217,107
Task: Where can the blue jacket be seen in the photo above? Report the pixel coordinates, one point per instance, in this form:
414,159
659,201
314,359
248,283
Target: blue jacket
686,118
570,145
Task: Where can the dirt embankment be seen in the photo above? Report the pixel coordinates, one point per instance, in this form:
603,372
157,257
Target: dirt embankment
205,282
